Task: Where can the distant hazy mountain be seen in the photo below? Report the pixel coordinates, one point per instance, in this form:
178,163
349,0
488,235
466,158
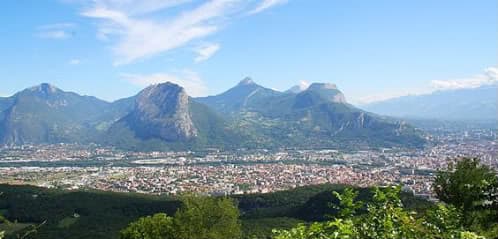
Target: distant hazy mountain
5,102
464,104
164,117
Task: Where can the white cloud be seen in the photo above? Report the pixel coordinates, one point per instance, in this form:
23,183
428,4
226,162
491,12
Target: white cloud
139,38
137,31
54,35
489,77
74,62
187,79
206,51
56,31
301,86
138,7
304,84
266,4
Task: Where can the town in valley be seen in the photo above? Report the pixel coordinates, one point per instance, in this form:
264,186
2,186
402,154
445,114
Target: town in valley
218,172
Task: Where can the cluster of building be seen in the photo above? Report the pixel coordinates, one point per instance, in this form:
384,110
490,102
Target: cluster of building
57,152
237,172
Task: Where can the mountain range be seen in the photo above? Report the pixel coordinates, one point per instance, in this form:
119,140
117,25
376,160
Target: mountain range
45,113
164,116
463,104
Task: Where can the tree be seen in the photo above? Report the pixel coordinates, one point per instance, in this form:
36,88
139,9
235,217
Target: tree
385,218
444,221
338,229
466,184
158,226
348,205
197,218
207,218
2,220
471,187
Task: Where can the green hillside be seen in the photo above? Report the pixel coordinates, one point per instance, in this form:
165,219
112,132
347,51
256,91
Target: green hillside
94,214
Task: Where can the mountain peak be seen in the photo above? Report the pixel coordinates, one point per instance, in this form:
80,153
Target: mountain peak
302,86
162,111
247,81
165,86
163,89
328,91
328,86
45,88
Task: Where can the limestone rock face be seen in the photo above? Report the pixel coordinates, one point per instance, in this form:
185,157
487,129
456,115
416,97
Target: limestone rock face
329,92
162,111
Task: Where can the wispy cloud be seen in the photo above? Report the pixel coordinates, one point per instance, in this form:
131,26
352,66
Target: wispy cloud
143,37
189,80
266,4
62,25
138,7
206,51
489,77
138,32
74,62
56,31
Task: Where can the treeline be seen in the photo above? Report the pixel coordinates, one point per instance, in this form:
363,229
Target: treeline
467,192
104,214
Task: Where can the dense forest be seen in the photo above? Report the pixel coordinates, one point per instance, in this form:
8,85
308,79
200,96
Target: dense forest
467,209
95,214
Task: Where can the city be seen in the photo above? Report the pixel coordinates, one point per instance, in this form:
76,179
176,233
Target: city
216,172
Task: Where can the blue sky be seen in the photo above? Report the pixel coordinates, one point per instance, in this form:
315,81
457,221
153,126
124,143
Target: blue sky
372,49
